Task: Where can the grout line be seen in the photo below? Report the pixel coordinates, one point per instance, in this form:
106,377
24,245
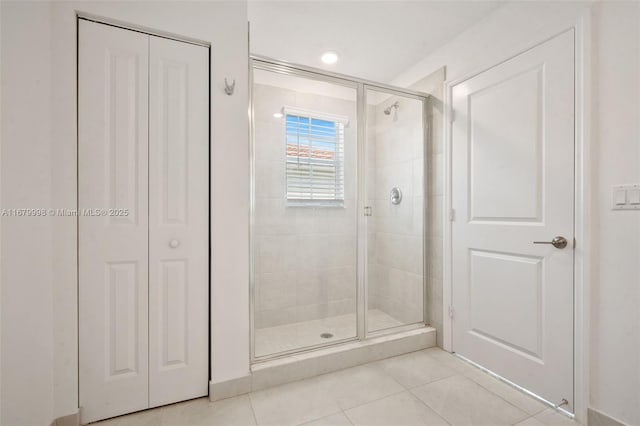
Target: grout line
503,398
376,400
434,381
318,418
253,410
478,384
523,420
544,408
344,413
430,407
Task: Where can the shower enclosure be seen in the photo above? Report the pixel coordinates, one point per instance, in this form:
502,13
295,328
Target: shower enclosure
338,209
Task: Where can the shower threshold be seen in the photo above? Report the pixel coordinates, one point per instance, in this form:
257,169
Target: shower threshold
289,369
299,335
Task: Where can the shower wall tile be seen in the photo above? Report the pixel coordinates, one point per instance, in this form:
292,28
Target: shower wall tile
390,147
276,290
274,317
273,152
341,283
272,179
274,253
269,101
398,175
403,252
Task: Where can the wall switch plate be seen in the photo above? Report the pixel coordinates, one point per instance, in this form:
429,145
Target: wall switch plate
626,197
619,196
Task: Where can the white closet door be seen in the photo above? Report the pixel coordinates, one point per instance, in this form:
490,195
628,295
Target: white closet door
113,250
178,221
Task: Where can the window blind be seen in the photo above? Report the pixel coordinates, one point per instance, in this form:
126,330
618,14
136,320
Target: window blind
315,159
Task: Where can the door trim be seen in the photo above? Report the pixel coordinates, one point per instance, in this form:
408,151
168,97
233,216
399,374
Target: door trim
140,29
582,200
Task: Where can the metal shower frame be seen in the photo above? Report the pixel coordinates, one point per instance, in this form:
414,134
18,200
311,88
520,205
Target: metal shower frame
361,86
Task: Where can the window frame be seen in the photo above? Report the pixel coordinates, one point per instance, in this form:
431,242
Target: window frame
340,166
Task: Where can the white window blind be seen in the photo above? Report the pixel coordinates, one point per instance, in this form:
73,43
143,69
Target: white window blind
315,158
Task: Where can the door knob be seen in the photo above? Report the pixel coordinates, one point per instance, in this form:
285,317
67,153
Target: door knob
174,243
557,242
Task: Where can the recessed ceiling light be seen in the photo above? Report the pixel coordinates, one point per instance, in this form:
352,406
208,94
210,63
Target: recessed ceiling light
329,57
277,114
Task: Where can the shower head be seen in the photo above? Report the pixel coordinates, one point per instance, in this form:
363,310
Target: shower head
395,105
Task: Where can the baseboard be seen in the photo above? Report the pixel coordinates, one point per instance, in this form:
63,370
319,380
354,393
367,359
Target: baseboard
230,388
597,418
69,420
303,366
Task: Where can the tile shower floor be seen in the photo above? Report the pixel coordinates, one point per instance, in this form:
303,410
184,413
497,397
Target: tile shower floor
271,340
429,387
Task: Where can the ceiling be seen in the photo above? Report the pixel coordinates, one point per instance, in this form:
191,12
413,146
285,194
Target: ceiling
376,40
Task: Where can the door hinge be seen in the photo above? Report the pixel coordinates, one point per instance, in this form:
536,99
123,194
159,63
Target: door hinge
368,211
451,312
575,243
452,115
452,215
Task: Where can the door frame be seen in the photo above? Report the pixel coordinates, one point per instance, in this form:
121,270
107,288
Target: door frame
582,200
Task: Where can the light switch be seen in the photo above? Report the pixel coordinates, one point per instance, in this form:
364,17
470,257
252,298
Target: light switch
633,196
619,196
626,197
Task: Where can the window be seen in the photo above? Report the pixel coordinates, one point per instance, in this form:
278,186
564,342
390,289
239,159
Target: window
315,158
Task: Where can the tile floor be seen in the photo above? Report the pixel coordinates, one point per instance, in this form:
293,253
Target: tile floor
272,340
429,387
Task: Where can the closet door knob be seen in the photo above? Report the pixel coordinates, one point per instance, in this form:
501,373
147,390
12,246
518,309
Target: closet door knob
174,243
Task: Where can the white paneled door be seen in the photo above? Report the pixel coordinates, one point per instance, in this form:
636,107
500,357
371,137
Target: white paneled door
143,220
513,193
178,221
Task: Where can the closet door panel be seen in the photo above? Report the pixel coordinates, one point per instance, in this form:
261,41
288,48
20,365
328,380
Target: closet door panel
113,220
178,221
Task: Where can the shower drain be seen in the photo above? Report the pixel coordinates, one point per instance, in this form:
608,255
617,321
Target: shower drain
326,335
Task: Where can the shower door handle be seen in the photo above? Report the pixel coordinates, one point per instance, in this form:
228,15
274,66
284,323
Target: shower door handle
557,242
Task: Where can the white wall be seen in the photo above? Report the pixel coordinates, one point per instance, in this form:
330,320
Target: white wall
27,308
615,236
615,323
39,293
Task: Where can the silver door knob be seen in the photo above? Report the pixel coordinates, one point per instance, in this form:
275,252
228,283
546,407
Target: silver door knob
174,243
557,242
395,196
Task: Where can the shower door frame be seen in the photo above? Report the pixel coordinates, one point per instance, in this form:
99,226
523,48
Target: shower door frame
361,86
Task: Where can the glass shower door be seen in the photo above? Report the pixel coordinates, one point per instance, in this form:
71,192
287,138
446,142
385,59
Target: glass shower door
394,209
304,211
